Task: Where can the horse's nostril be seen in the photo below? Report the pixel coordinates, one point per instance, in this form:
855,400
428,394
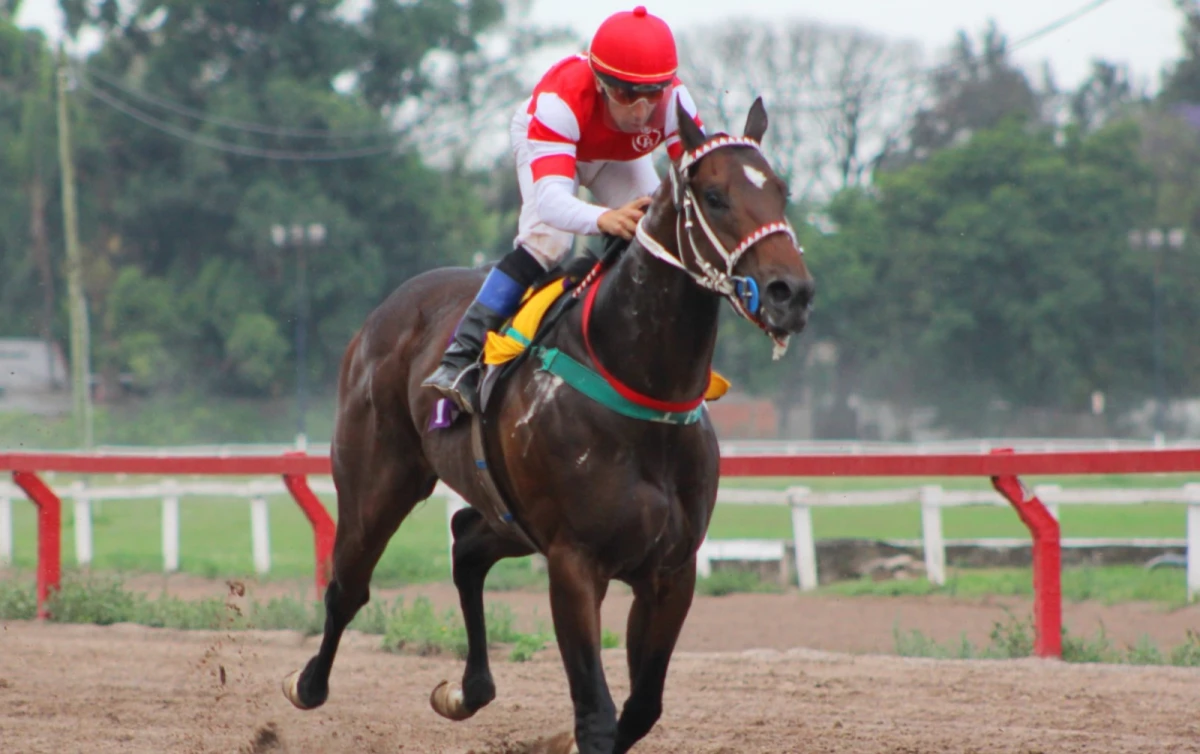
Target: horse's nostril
788,292
779,292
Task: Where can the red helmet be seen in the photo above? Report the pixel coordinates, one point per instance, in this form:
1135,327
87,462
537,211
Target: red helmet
634,47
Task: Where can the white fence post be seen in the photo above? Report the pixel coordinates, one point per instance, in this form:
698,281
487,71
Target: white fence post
83,524
1192,491
6,531
1044,491
260,535
802,537
454,503
931,531
703,562
170,526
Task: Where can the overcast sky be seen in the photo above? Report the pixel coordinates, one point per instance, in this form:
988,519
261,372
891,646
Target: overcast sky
1142,33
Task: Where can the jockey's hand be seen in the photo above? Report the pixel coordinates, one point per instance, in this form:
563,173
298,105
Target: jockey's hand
623,221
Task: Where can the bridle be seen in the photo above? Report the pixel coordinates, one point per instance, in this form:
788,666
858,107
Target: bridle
741,292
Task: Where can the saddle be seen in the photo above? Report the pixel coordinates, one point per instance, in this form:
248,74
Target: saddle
504,351
542,307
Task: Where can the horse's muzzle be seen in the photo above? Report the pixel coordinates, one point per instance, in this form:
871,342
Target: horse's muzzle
787,300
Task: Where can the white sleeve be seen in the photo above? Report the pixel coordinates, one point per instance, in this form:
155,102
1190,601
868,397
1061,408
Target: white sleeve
558,207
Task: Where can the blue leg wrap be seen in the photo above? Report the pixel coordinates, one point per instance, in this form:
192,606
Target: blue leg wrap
500,293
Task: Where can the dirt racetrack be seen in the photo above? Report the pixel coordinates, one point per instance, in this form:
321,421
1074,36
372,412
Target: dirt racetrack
753,675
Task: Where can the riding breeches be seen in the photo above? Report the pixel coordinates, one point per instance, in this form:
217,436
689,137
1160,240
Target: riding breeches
612,183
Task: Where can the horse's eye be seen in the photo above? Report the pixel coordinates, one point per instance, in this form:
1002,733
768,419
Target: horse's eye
715,199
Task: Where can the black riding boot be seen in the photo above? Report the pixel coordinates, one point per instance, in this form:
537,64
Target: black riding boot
457,378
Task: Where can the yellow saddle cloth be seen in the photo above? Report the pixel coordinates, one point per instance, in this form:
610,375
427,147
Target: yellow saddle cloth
501,348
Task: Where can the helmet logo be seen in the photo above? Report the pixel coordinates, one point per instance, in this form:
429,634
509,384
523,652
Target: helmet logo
646,141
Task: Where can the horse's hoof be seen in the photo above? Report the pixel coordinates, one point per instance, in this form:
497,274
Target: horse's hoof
291,689
447,701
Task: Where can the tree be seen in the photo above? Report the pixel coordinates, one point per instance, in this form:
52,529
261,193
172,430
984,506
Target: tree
1106,95
28,160
1013,275
1182,82
839,97
972,91
475,89
206,124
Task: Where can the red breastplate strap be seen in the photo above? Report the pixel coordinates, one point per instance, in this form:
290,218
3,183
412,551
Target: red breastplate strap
624,390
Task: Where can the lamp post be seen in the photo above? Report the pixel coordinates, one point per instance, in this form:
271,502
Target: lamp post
299,237
1155,241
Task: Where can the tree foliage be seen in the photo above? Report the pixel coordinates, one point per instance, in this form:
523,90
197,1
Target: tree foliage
972,251
182,123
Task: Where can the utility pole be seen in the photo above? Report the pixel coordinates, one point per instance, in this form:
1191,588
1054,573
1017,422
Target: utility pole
298,237
1157,241
81,389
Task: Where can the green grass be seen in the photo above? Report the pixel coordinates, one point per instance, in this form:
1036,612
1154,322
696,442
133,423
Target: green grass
1156,520
409,629
1013,638
419,629
1111,585
731,581
188,418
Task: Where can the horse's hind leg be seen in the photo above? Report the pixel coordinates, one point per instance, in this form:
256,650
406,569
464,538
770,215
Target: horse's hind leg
655,620
476,549
372,502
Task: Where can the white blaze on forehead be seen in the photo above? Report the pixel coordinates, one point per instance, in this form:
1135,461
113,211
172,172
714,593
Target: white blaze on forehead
755,175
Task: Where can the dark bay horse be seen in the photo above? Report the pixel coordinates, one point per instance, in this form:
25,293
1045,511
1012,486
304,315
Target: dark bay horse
602,495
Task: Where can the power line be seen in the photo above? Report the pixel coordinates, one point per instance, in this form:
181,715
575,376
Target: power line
240,125
433,143
225,146
906,81
1054,26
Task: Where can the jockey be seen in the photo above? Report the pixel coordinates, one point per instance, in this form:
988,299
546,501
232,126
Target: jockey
593,120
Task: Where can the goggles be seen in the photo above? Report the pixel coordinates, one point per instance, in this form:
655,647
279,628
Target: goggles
626,94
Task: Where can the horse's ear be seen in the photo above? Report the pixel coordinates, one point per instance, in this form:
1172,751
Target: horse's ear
689,133
756,121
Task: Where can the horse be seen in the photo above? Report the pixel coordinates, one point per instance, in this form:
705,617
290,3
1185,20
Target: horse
602,494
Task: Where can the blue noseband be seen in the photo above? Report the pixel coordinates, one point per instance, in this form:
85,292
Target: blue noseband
747,293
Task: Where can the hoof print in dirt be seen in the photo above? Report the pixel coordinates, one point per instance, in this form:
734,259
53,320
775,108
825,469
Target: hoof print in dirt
266,741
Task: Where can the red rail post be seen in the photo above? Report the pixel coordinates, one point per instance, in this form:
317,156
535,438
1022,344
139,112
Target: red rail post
1047,563
323,526
49,524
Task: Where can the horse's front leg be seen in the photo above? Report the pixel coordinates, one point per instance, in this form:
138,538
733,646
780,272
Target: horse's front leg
660,606
576,590
476,549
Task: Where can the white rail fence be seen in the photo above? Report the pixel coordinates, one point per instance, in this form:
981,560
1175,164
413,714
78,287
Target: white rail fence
932,499
171,491
728,447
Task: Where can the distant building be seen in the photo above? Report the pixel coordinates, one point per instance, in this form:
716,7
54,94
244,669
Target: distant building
33,377
741,417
